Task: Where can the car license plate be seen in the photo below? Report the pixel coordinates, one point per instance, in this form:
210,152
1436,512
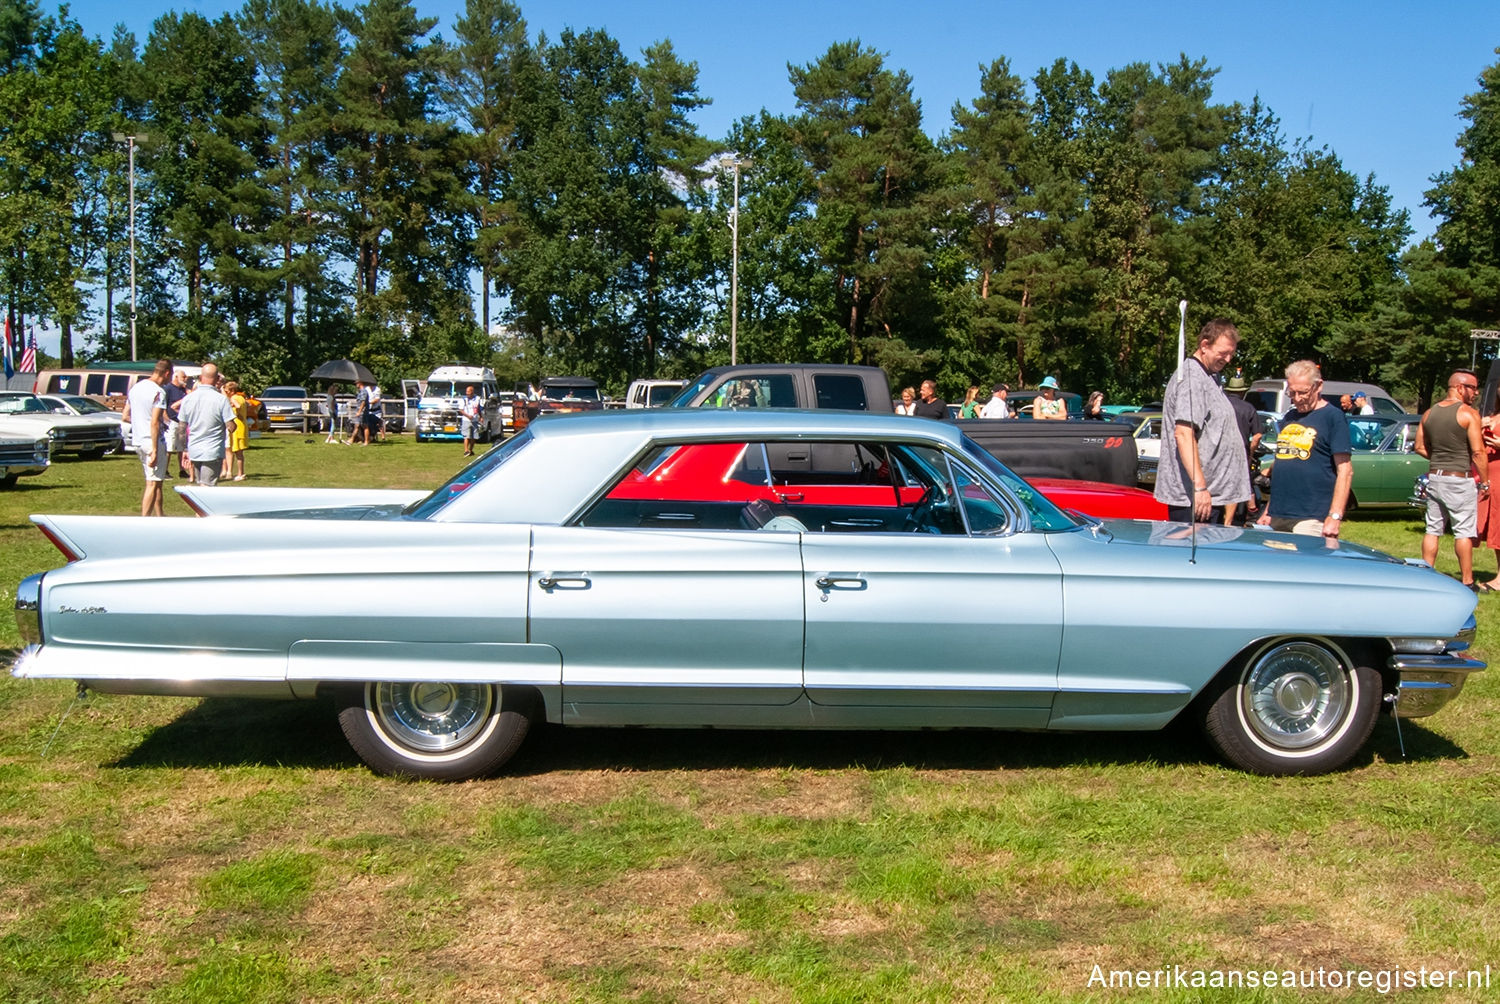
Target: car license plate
450,428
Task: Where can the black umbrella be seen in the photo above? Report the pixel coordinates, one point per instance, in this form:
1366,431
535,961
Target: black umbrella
342,370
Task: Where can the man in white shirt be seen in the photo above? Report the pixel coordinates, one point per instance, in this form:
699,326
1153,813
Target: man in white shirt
146,410
996,406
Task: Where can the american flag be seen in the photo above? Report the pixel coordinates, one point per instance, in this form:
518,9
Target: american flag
28,358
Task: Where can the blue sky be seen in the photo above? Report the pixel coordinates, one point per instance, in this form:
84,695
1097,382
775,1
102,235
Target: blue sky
1378,82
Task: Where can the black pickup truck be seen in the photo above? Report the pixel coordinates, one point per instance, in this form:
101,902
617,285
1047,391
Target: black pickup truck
1089,451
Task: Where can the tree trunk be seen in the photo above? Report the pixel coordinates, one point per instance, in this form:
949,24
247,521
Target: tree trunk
854,324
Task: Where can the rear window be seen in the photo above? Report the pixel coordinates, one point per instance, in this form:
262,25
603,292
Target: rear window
461,482
570,391
1264,400
660,394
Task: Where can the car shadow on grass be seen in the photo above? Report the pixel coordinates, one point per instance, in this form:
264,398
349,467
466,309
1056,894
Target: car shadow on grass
223,732
241,732
551,748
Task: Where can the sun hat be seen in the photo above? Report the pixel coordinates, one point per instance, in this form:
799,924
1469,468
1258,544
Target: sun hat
1048,382
1236,384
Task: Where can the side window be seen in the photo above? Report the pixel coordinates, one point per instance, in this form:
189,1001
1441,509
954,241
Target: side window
772,390
841,391
65,383
118,383
803,487
982,511
93,383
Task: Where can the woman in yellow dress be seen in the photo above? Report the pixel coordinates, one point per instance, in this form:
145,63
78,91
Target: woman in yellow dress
240,437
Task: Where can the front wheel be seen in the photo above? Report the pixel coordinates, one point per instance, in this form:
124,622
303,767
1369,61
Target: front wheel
436,731
1293,707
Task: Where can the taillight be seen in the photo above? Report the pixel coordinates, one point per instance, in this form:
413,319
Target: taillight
58,543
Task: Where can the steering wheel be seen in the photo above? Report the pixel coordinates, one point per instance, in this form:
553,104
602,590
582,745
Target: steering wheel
919,519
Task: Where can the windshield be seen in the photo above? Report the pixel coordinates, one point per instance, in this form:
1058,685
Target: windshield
294,393
1044,514
83,405
1366,432
20,405
691,391
461,482
445,388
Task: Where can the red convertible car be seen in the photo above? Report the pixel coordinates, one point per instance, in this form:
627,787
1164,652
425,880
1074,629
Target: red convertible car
823,474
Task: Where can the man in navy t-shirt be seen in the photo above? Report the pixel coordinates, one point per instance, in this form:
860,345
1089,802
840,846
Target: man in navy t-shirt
1313,473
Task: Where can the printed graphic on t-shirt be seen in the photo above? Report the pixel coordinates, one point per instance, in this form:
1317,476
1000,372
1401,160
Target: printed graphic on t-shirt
1295,442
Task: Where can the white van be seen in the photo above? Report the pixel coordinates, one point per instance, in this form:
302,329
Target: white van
1271,395
443,391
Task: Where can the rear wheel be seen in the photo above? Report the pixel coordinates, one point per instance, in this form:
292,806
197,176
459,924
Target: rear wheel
1293,707
439,731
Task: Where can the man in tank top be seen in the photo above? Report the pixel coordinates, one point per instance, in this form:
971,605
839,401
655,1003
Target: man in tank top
1449,437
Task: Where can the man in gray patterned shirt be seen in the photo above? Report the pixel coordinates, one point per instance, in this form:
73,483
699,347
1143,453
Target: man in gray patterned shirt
1203,468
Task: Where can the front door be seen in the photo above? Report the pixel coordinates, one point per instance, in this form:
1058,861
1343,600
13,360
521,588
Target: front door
954,620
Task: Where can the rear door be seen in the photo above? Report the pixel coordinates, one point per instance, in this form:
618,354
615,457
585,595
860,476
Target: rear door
662,615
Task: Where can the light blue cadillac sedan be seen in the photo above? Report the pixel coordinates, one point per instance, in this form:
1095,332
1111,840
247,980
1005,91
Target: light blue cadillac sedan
743,569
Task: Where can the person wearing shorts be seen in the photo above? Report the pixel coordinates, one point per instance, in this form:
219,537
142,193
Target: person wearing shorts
176,391
146,410
1450,437
468,420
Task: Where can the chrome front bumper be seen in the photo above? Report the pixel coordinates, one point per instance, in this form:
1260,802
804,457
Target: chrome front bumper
1427,681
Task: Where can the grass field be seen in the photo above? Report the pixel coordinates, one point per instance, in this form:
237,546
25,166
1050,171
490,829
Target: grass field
177,850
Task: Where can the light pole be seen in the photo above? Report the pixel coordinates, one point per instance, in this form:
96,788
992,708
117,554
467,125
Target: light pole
734,271
130,141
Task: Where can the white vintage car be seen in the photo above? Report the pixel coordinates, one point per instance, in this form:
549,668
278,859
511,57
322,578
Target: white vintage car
91,436
731,569
22,457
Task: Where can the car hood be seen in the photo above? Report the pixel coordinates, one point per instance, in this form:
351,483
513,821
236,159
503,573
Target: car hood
1242,539
51,419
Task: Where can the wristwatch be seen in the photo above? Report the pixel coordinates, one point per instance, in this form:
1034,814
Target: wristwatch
1336,515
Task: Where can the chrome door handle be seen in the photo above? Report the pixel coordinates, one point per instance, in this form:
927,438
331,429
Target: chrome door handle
551,580
830,579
